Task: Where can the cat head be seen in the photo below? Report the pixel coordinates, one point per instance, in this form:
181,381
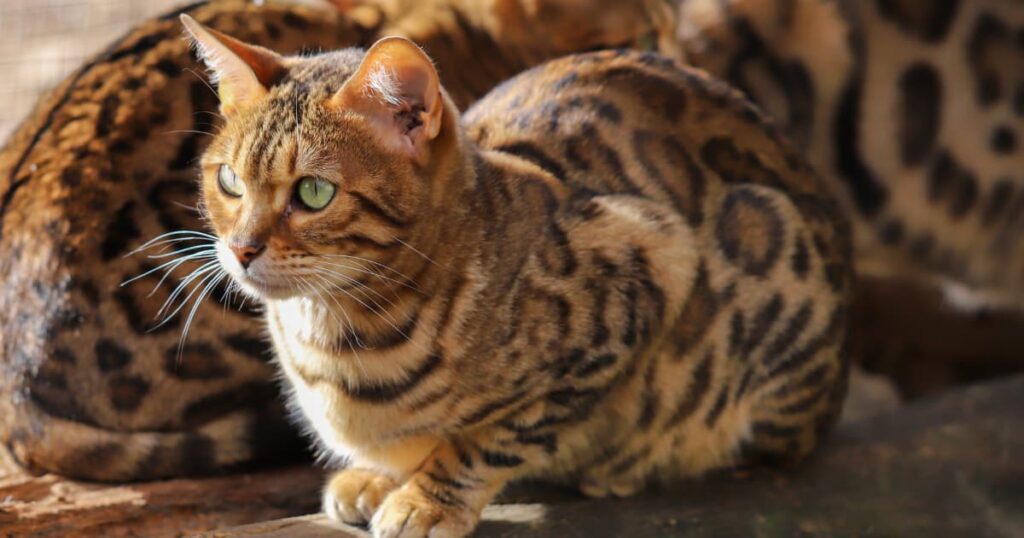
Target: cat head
324,163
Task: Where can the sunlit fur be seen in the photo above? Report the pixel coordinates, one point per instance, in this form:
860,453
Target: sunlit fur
609,272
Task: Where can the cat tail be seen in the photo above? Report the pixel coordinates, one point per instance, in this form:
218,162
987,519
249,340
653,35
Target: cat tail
44,443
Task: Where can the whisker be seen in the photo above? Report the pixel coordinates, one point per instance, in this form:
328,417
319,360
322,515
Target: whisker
368,308
203,270
219,276
355,284
414,249
189,207
184,235
399,274
181,251
205,83
408,284
171,270
344,313
175,262
188,131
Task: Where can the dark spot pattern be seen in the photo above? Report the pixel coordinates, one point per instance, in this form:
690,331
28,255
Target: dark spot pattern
749,231
126,392
120,233
195,361
920,103
988,38
1003,140
950,182
929,20
111,356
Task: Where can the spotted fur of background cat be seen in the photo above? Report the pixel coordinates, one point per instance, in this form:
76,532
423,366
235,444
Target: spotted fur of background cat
913,109
610,270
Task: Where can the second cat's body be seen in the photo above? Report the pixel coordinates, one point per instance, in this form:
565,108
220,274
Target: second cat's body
610,271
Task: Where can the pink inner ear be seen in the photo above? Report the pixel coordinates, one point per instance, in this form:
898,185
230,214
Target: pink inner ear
397,87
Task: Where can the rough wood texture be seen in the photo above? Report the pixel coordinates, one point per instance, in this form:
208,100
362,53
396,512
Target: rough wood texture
952,466
51,506
948,467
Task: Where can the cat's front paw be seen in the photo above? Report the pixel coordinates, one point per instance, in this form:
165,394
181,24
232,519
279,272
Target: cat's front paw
353,495
410,512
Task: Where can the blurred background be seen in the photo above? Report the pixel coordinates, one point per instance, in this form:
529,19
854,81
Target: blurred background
41,41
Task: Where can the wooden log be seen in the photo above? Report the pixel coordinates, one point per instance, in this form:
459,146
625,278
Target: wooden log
51,506
950,467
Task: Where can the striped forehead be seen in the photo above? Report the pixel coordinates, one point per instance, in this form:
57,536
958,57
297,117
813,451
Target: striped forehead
273,137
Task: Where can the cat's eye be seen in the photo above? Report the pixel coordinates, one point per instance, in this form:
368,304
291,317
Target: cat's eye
229,182
314,192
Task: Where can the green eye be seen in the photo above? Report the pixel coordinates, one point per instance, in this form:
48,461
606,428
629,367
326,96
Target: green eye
229,182
315,193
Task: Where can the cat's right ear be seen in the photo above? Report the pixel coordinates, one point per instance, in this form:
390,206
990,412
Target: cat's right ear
242,72
397,88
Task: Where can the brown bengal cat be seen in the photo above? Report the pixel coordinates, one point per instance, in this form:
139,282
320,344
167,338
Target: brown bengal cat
608,270
90,387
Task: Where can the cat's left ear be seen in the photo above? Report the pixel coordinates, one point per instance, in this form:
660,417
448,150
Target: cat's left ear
397,88
242,72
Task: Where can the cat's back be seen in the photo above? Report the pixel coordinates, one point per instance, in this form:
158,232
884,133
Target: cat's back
636,123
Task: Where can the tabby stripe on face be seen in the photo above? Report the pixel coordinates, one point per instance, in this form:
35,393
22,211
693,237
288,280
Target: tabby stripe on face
379,210
384,392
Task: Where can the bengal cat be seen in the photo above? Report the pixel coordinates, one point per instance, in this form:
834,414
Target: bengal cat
608,270
92,381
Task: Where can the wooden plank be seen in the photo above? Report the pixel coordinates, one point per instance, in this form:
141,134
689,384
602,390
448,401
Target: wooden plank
952,466
51,506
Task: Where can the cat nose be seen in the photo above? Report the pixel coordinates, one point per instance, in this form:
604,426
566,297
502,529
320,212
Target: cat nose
248,252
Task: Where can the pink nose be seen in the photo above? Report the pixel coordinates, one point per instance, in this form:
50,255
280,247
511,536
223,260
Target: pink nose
247,253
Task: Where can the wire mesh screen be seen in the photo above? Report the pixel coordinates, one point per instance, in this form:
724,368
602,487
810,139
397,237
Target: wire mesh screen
41,41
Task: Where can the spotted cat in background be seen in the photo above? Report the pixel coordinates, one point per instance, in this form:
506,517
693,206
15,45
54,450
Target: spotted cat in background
608,270
913,109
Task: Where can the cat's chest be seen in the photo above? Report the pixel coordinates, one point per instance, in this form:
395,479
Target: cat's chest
353,397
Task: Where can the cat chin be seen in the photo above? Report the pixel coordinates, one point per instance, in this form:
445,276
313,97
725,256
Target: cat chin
266,292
